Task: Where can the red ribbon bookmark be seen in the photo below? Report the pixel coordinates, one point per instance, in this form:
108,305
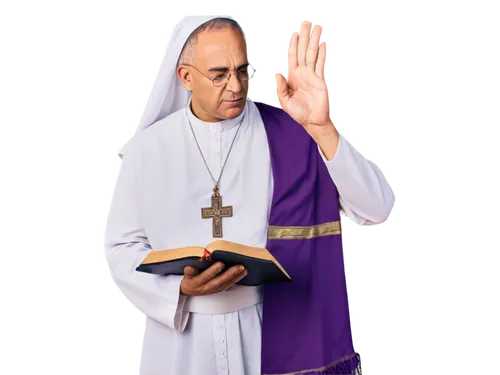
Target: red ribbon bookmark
206,255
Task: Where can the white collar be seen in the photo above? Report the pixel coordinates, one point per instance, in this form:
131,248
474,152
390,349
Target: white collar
214,127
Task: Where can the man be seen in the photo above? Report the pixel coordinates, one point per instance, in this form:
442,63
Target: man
203,146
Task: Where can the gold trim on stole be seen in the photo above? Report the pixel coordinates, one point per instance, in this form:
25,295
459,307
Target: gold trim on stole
276,232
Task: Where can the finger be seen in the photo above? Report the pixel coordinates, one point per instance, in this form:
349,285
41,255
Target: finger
189,272
292,52
320,69
312,49
305,29
234,280
281,90
237,278
219,282
210,273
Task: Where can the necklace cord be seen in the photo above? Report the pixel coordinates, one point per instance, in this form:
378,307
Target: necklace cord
227,156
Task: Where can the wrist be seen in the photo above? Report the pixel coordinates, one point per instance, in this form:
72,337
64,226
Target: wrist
327,138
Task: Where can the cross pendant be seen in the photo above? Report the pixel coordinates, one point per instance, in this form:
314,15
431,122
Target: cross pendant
216,213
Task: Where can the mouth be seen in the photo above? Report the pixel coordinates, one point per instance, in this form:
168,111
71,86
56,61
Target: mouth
233,101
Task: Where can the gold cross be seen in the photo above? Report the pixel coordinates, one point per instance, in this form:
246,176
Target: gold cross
216,212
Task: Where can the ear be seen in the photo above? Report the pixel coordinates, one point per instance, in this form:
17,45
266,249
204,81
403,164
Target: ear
185,78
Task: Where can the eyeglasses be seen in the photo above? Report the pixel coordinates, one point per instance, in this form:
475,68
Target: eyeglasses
244,74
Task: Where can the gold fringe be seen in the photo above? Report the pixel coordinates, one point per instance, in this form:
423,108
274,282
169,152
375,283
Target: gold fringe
357,370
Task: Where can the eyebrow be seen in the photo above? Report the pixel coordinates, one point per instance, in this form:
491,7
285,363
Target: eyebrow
225,68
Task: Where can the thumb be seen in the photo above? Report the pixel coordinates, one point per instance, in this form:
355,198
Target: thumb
189,272
282,90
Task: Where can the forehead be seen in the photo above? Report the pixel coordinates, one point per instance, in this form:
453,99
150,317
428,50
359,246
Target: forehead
225,47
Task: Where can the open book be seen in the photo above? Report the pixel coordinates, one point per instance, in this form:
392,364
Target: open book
262,267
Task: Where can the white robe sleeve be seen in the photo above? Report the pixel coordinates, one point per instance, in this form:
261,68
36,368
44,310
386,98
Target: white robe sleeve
365,196
126,246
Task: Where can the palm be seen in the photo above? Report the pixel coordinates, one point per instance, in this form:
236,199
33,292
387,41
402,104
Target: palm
308,99
305,96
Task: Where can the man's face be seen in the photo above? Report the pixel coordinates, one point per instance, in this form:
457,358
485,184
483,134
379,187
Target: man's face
222,49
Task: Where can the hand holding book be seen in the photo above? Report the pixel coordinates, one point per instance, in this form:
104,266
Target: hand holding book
210,281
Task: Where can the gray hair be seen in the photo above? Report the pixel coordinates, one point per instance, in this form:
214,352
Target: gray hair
187,54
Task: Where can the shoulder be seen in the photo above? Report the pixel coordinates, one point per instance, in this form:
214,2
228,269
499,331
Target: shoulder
276,114
141,140
278,120
168,124
267,107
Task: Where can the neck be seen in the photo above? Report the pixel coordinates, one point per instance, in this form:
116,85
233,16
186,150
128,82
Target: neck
200,113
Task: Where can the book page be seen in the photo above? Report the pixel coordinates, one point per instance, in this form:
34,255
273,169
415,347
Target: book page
156,256
256,252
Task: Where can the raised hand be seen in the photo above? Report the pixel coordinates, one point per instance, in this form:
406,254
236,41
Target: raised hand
305,96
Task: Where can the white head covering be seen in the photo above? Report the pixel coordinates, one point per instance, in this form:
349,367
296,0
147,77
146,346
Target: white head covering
168,94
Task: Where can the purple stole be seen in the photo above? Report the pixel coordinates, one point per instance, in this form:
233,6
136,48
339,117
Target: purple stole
305,324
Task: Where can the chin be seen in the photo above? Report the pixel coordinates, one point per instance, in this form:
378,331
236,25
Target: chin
234,111
231,110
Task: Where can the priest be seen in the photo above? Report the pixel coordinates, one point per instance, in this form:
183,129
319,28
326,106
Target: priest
207,162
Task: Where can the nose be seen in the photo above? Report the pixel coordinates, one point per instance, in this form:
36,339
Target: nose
234,83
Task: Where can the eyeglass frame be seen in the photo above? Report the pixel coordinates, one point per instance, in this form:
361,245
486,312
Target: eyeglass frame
230,75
